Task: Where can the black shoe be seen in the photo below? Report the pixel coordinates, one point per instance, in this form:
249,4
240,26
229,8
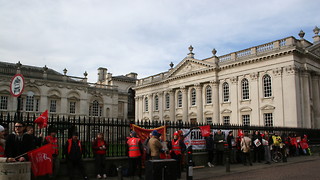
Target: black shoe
250,164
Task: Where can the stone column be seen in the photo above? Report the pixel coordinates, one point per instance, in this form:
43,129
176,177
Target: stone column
316,100
199,103
215,101
306,121
184,104
172,105
137,108
151,107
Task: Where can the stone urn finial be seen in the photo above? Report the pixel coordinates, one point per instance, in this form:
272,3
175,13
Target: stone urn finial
171,65
85,74
19,64
316,30
214,52
45,68
190,48
301,34
65,71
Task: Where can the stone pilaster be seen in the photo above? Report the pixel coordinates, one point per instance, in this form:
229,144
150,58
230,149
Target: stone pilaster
199,103
184,104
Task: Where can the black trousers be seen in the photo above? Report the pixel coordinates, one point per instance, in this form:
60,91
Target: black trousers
73,165
210,156
219,157
135,166
100,162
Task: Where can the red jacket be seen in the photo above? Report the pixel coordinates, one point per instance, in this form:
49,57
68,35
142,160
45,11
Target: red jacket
54,142
97,144
134,149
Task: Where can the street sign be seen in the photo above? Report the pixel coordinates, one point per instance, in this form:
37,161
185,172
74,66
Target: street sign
17,85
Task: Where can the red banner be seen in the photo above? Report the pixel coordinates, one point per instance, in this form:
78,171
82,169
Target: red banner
205,130
143,134
240,133
42,120
41,160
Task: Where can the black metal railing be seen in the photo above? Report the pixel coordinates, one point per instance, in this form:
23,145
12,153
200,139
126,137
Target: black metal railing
117,130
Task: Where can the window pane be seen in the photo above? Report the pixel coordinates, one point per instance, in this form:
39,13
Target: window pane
225,92
267,86
179,99
146,103
226,120
268,119
29,103
245,89
156,103
4,102
72,107
193,97
53,106
167,101
246,120
209,120
208,95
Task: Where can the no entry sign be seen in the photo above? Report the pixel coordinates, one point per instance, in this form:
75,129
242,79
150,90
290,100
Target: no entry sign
17,85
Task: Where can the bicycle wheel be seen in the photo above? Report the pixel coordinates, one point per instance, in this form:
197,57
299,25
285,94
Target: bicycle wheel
277,156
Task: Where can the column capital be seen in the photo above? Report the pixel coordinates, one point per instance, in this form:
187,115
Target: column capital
214,83
198,86
254,76
234,79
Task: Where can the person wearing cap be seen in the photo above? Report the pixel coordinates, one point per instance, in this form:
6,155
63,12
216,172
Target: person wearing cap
18,143
52,139
73,151
135,150
155,145
177,149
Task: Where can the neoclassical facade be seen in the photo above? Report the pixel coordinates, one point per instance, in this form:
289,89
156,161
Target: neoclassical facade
273,84
61,94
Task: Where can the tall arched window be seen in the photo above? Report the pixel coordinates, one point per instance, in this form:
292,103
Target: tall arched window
156,103
179,99
267,89
193,97
225,93
167,101
208,95
146,104
95,109
245,89
30,101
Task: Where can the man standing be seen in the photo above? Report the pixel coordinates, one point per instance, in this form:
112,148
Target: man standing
245,148
219,140
135,150
52,139
18,143
73,151
155,145
178,148
210,148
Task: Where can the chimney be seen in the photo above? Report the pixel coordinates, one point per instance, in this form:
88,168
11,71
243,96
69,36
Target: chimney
132,75
102,74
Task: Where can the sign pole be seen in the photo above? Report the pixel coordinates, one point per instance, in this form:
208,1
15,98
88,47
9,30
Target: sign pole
16,89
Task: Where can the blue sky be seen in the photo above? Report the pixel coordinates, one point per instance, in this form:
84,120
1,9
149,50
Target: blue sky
142,36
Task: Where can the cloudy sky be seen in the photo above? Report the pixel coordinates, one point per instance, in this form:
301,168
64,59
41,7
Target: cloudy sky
142,36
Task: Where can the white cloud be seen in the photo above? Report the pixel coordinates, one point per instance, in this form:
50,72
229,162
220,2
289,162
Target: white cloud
141,36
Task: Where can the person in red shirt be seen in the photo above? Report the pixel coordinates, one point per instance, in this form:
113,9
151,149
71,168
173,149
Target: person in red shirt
52,139
100,147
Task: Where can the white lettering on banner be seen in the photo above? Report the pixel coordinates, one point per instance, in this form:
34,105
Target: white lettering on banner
196,140
42,157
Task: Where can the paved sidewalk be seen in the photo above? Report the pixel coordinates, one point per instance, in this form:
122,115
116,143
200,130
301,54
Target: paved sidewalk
219,171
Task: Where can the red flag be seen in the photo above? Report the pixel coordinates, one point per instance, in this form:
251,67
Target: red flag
205,130
42,120
41,160
240,132
143,134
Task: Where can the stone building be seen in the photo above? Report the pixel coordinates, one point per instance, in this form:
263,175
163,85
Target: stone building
66,95
273,84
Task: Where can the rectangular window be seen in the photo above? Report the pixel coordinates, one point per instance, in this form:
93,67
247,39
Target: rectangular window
4,102
29,103
209,120
246,120
72,107
53,106
268,119
226,120
179,99
37,104
167,101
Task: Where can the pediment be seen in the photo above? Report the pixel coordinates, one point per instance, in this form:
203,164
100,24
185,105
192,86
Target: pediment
226,111
208,113
245,109
188,66
268,107
315,49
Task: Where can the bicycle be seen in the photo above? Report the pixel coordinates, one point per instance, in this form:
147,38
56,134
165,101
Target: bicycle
276,154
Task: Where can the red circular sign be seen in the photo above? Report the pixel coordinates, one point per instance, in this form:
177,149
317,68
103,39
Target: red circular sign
17,85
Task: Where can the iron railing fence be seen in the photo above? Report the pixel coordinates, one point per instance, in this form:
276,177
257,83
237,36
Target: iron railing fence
117,130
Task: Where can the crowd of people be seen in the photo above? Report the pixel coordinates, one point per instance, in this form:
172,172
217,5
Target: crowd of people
243,148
